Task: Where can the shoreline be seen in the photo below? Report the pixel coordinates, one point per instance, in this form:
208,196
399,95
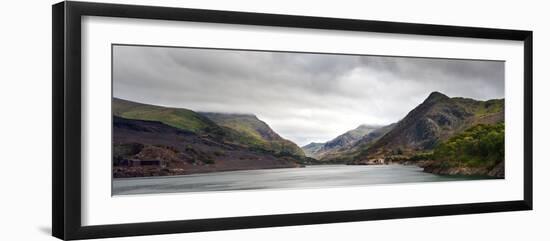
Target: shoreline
226,171
207,171
434,167
496,172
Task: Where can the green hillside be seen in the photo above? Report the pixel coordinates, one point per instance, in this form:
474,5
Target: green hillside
481,108
176,117
481,145
255,132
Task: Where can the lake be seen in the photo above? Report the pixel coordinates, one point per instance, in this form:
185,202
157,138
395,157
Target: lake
307,177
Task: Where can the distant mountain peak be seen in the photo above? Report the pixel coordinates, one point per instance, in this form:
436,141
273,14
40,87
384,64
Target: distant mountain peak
343,141
436,96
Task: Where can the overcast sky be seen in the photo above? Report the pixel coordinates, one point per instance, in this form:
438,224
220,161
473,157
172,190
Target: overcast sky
303,97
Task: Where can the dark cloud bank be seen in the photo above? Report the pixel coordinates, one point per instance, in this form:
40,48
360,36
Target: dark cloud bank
303,97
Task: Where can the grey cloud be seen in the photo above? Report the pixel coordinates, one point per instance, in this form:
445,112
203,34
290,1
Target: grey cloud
304,97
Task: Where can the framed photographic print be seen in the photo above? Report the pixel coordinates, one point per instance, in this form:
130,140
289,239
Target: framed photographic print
169,120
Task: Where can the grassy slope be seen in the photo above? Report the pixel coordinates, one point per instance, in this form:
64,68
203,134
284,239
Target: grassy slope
255,132
481,108
175,117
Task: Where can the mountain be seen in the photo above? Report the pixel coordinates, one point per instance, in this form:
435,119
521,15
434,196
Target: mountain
152,148
349,138
435,120
311,148
342,142
245,130
255,132
372,137
347,153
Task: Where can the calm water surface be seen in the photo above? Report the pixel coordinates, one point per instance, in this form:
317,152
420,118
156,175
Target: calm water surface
308,177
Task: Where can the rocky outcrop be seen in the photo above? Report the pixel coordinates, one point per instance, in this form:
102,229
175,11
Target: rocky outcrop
433,167
466,171
498,170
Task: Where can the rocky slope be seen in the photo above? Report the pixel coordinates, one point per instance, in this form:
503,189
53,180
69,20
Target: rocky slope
312,148
496,171
369,139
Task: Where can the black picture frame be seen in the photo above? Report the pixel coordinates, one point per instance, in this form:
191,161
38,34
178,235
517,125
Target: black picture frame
66,158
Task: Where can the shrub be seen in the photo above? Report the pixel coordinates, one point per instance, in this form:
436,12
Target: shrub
481,145
421,156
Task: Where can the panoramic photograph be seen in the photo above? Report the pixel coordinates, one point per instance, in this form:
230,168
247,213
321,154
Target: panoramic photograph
198,119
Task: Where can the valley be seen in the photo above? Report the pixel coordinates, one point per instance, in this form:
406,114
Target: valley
442,135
